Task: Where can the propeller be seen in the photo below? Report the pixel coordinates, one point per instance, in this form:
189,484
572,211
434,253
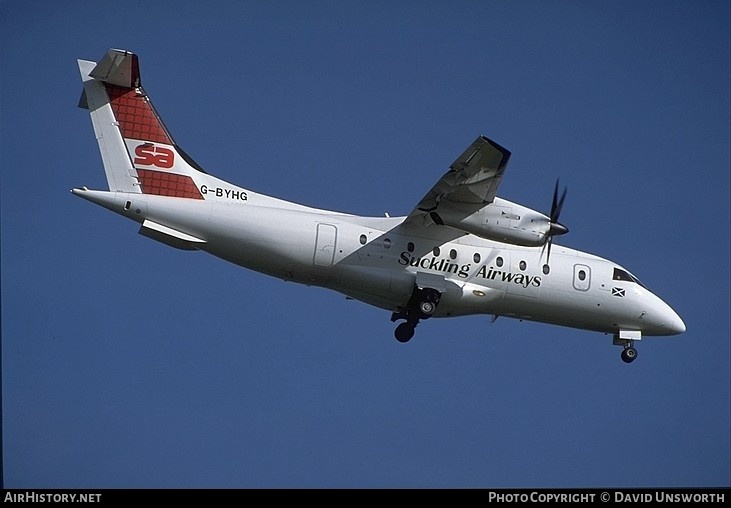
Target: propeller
555,227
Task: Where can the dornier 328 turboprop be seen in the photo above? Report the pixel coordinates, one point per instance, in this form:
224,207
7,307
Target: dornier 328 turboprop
462,250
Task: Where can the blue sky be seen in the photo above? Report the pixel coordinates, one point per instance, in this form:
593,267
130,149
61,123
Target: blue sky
129,364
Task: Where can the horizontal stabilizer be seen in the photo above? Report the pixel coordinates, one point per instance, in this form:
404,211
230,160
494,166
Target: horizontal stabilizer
118,67
169,236
83,102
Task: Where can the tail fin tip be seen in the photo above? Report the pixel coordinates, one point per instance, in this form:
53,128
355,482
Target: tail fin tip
118,67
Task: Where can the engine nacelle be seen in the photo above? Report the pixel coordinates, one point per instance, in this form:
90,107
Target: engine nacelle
501,220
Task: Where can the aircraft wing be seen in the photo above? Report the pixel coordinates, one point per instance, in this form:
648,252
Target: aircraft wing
471,182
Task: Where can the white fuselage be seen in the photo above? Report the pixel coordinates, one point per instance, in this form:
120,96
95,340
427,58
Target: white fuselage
379,261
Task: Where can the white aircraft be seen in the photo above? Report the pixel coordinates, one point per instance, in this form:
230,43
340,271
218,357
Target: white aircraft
462,250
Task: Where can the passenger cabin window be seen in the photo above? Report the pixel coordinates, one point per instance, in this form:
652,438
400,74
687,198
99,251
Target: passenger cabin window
499,261
476,257
387,243
436,252
363,239
452,254
582,275
626,276
410,247
523,266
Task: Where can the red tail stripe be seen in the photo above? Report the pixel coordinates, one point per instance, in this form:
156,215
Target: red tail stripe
135,115
168,184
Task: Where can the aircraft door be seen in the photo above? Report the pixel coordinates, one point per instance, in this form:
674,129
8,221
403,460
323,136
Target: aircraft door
325,245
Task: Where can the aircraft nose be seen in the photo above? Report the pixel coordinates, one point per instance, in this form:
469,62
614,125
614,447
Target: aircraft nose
677,326
669,323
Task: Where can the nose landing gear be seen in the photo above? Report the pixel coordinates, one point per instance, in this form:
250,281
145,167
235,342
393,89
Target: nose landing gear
627,339
629,354
422,304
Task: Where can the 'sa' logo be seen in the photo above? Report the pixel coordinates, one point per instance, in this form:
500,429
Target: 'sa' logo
151,155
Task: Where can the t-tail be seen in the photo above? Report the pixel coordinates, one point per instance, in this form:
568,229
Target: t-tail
138,152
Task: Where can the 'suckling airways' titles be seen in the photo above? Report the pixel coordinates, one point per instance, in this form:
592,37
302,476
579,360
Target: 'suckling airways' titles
463,272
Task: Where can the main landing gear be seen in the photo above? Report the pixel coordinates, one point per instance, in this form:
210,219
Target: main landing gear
405,331
422,304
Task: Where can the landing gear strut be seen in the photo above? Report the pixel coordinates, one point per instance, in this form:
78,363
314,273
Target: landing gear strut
422,304
627,339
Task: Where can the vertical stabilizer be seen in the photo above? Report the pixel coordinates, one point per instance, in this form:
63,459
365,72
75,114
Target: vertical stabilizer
138,152
118,167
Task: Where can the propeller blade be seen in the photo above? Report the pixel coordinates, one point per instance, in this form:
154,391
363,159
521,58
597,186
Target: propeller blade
547,244
557,203
555,227
543,249
548,257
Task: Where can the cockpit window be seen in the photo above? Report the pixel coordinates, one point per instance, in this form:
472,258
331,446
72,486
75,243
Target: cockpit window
620,274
